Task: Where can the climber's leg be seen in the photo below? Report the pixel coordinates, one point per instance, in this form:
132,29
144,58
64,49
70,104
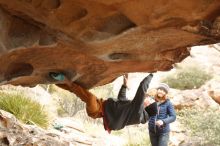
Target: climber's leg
93,104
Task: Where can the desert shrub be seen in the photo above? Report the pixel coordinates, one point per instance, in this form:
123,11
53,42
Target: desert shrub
143,140
69,105
188,77
25,109
202,124
104,91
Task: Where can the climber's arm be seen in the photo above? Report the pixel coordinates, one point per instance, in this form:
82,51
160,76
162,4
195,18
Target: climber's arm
142,89
122,91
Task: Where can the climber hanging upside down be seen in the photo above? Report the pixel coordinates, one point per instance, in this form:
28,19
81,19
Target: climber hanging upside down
118,113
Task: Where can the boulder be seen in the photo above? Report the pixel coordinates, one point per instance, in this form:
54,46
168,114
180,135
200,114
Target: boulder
14,133
94,42
197,98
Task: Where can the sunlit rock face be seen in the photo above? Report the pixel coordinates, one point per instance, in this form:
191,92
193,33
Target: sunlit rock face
94,41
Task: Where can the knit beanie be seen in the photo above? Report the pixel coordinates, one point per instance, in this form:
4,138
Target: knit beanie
164,87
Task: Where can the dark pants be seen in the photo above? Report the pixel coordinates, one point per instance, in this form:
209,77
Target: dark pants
159,140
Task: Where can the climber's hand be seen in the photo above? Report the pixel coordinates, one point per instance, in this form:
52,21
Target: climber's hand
151,74
125,80
159,123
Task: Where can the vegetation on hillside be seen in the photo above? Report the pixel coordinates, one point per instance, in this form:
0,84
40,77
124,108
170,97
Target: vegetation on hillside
202,124
187,77
24,108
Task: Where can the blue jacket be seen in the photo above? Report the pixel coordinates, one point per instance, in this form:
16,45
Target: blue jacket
167,114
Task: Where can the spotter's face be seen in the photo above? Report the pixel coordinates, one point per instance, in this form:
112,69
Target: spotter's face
161,93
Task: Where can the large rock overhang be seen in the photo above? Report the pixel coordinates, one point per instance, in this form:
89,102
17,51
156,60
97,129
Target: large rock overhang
94,41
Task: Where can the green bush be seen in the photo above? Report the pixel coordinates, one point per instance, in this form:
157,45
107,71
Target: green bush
69,103
202,124
104,91
188,77
25,109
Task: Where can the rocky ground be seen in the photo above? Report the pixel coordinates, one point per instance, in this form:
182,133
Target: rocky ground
71,132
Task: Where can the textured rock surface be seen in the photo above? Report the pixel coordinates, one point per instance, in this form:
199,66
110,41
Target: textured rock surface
93,42
193,98
14,133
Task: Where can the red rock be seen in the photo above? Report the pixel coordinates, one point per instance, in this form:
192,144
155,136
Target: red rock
93,42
